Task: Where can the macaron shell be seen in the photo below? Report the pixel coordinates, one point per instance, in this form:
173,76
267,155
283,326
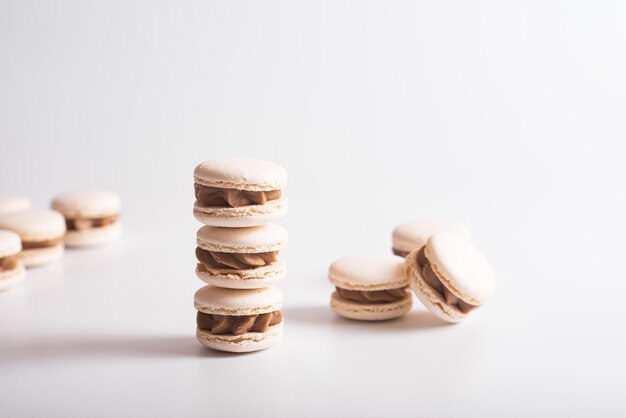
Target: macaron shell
368,272
251,341
87,204
244,279
93,237
36,257
243,216
414,234
256,239
221,301
461,267
13,204
34,224
370,312
241,173
10,278
432,299
10,243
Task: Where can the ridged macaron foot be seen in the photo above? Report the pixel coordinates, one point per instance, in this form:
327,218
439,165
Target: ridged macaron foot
412,235
238,320
239,192
41,232
369,287
241,258
91,217
450,276
12,204
11,267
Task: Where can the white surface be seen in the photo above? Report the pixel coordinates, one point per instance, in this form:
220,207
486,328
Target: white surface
508,117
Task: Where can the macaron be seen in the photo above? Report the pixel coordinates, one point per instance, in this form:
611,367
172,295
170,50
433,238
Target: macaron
91,217
12,204
241,258
239,192
41,232
413,235
11,266
369,287
450,276
238,320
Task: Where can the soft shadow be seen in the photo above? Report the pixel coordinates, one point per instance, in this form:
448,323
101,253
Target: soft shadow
322,315
104,347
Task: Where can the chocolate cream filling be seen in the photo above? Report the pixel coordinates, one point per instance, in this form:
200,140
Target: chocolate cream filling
238,261
434,282
79,224
31,245
9,262
220,197
237,325
372,296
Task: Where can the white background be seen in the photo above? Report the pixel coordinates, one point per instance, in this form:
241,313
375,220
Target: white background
506,116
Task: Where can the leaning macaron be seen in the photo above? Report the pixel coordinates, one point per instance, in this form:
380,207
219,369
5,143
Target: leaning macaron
239,192
11,266
450,276
41,232
238,320
12,204
241,258
369,287
413,235
92,217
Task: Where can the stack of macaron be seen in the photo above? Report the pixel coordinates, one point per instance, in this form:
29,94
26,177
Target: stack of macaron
79,219
239,310
435,259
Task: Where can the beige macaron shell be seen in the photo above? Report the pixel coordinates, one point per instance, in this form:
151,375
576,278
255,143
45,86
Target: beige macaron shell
256,278
243,216
461,267
36,257
241,173
13,204
10,243
244,343
368,272
92,237
370,312
432,299
220,301
34,224
256,239
10,278
414,234
87,204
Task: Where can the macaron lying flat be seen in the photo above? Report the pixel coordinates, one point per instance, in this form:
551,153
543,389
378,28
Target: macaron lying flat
414,234
41,232
450,276
238,320
241,258
11,267
369,287
239,192
12,204
92,217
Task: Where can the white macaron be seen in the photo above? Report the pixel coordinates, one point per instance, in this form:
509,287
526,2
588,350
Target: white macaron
92,217
41,232
12,204
241,258
11,266
238,320
369,287
239,192
450,276
413,235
